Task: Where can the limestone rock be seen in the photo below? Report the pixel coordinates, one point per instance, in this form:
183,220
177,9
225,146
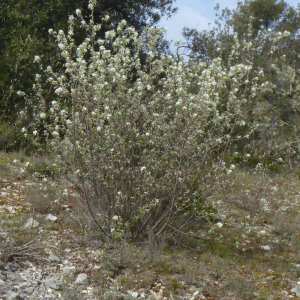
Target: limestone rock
68,270
31,223
82,279
296,290
54,258
50,218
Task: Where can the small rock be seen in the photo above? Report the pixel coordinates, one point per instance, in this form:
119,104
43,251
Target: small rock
220,216
28,264
54,258
82,279
296,290
52,283
266,248
269,278
133,294
28,290
11,209
2,277
68,270
155,295
12,295
2,282
51,218
31,223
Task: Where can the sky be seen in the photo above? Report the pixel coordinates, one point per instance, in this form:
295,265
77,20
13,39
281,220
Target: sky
197,14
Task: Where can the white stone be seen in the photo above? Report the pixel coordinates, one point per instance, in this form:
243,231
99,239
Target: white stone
155,295
220,216
133,294
50,218
68,270
296,290
51,283
12,295
31,223
266,248
54,258
11,209
82,279
2,282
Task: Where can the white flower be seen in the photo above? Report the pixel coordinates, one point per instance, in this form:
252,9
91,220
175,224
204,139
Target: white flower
219,224
37,59
42,115
61,32
35,132
78,12
50,31
23,129
55,133
98,128
115,218
143,168
58,91
20,93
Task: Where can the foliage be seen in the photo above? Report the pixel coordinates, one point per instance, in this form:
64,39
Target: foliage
275,116
145,142
24,34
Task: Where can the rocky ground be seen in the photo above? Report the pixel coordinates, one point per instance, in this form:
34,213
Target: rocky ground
48,250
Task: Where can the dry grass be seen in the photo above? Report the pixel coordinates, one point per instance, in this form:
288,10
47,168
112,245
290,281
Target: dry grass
229,263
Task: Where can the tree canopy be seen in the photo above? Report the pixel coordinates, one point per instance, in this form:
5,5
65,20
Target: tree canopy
24,26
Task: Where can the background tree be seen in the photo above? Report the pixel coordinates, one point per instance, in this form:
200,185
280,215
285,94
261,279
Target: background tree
24,26
276,112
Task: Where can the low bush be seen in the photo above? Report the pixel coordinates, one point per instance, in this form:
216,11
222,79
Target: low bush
143,139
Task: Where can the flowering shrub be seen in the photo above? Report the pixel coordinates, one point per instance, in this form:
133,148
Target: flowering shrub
144,141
